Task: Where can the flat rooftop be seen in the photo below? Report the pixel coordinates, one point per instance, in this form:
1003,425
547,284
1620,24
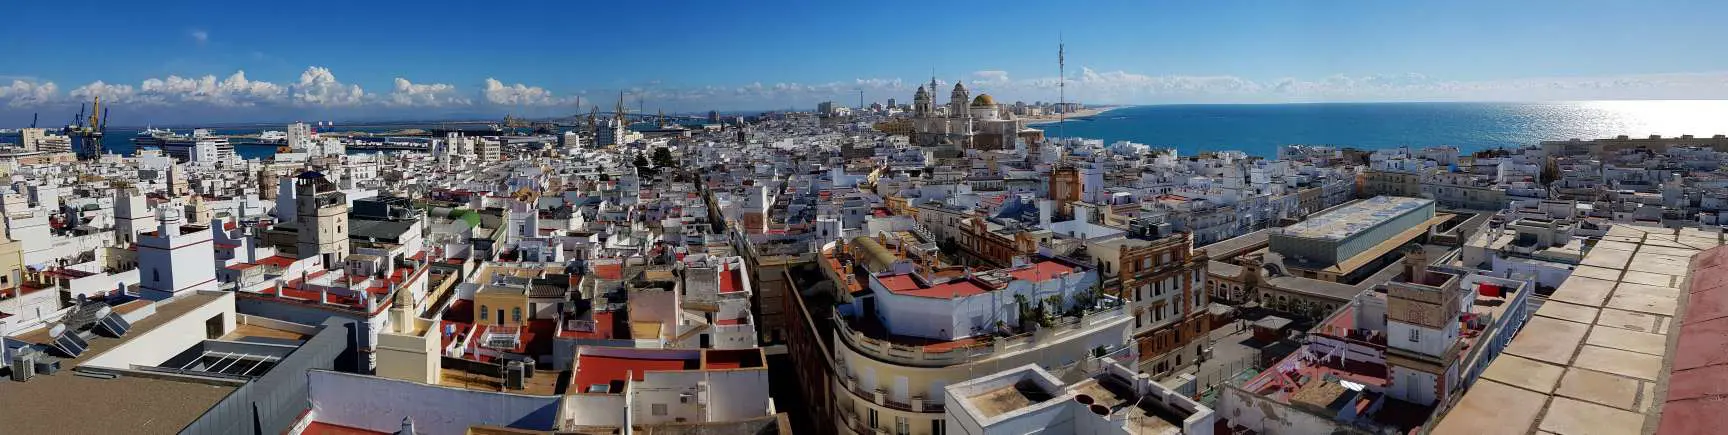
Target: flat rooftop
1596,357
127,404
1346,222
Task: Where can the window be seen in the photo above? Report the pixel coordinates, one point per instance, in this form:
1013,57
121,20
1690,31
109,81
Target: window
516,314
482,312
1415,335
901,426
658,409
155,274
872,420
938,427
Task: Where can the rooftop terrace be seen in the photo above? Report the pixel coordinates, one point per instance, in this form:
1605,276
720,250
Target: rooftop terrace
1346,222
1596,356
25,407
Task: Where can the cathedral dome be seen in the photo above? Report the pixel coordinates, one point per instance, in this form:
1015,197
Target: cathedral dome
983,100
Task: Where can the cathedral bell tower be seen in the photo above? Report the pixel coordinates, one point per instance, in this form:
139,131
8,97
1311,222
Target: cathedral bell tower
958,101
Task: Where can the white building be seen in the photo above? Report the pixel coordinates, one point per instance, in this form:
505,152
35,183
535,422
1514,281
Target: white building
176,259
1114,400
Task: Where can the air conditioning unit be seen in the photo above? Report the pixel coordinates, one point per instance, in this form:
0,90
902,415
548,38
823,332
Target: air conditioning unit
23,365
514,373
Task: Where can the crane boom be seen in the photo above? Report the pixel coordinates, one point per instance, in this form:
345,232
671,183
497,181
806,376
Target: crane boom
95,112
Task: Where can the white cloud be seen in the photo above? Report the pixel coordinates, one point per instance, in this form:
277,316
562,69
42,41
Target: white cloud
318,87
234,91
990,76
28,93
410,94
108,92
497,92
200,36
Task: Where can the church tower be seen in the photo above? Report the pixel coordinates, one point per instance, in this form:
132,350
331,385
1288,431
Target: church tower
322,215
921,106
958,101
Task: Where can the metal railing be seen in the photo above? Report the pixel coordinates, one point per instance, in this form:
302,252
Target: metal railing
920,356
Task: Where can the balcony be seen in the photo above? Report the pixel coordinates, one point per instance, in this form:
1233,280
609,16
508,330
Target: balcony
920,353
880,397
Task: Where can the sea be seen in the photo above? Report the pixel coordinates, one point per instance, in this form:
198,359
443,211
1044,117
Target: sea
1260,129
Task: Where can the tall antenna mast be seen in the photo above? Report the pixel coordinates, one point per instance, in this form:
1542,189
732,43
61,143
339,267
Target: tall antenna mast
1062,85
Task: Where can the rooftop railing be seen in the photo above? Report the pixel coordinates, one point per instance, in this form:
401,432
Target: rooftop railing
920,355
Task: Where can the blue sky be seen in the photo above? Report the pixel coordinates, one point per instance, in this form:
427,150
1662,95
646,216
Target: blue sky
268,61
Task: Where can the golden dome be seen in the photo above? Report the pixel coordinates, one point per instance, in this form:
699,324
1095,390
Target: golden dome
983,100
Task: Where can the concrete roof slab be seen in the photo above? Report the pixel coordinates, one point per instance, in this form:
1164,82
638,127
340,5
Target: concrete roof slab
1567,417
1550,340
1583,291
1641,342
1524,373
1632,320
1647,278
1608,258
1593,386
1660,305
1597,272
1492,408
1620,362
1565,311
1645,289
1622,246
1666,248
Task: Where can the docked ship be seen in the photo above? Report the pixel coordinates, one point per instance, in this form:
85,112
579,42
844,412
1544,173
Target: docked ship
272,137
182,147
152,138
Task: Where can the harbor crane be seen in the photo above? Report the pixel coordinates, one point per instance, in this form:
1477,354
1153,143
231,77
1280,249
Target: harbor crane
87,133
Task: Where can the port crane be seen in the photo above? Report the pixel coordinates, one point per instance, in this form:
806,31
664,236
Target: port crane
87,133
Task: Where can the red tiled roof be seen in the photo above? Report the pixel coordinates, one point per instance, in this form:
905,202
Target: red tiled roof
277,260
607,370
898,283
904,284
1698,381
612,270
729,281
322,428
1041,271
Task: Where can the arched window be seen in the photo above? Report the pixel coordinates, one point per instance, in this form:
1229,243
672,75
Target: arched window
483,311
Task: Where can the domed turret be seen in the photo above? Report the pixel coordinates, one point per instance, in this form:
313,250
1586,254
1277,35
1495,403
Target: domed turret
957,100
983,100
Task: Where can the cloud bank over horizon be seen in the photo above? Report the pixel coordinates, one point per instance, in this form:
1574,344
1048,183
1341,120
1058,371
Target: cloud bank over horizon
318,93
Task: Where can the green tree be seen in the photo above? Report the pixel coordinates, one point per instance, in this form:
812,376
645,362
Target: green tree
663,158
1550,172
